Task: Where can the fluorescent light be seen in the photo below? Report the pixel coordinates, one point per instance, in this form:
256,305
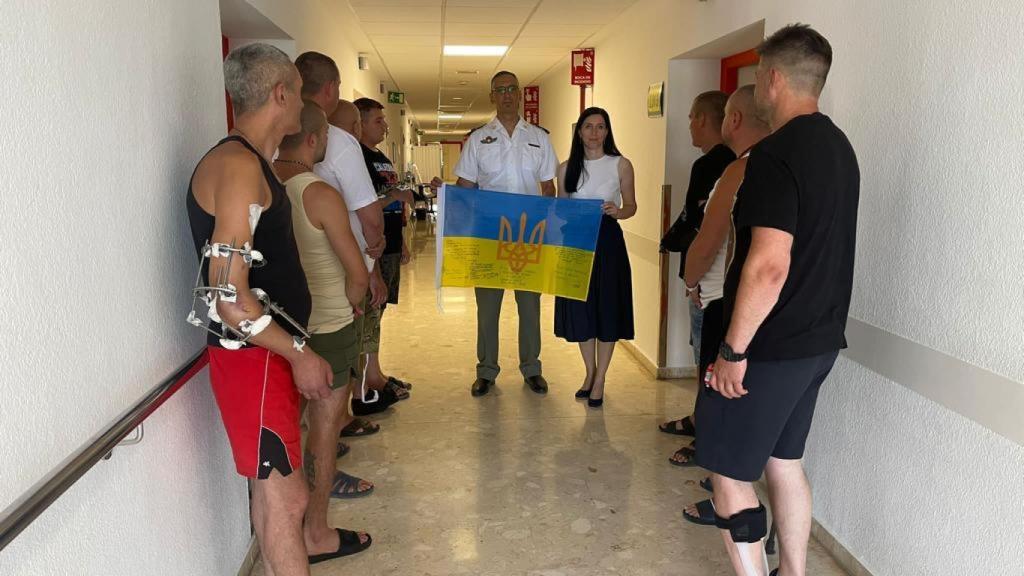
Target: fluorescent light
475,50
449,116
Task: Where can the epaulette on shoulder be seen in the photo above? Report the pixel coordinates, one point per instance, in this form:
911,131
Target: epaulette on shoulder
470,133
546,131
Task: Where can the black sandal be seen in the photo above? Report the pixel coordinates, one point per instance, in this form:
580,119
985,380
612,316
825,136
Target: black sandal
681,427
346,486
358,428
348,544
706,484
405,385
400,392
705,513
691,457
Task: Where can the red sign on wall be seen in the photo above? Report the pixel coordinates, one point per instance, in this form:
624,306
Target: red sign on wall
531,104
582,68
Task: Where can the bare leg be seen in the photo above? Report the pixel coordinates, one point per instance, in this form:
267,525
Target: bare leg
587,349
731,497
374,376
604,360
278,504
790,495
320,456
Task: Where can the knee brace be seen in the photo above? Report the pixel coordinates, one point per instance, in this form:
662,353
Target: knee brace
746,526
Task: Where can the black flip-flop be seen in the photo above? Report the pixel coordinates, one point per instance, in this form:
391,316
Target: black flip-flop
405,385
682,427
348,544
343,449
359,427
346,486
705,514
691,457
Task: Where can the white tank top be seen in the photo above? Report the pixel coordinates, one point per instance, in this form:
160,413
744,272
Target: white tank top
712,285
324,273
601,181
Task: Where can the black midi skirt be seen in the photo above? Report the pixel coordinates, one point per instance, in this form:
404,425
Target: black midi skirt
607,315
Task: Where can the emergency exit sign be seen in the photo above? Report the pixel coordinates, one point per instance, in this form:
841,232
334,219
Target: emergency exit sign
396,97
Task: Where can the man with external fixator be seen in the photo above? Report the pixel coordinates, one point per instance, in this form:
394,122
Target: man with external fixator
259,363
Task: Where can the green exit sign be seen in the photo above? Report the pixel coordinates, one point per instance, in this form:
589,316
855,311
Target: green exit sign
396,97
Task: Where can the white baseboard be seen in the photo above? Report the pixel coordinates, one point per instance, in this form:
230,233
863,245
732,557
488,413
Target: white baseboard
842,556
250,558
653,369
675,373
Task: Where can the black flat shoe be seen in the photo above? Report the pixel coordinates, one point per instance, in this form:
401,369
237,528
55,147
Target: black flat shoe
595,402
581,393
538,384
481,386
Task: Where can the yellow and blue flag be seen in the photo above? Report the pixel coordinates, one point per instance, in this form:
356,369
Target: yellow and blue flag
532,243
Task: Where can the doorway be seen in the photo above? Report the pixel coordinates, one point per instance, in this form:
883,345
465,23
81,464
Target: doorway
718,65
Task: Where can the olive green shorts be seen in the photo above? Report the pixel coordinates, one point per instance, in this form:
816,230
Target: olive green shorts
341,350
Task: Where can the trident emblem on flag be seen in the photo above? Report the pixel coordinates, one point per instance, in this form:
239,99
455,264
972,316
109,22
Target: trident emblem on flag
517,252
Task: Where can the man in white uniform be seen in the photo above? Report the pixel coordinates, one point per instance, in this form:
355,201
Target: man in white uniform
508,155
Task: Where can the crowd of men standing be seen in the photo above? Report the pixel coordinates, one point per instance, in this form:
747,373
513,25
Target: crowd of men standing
768,231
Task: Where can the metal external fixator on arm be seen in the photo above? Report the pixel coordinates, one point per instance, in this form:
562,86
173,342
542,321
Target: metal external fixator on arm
231,337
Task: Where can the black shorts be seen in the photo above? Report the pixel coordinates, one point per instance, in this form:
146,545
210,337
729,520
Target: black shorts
738,436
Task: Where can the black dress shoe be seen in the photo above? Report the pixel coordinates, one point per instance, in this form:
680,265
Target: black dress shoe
481,386
538,384
595,402
583,393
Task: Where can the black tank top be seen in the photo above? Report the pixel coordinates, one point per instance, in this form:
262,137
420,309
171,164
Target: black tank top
281,277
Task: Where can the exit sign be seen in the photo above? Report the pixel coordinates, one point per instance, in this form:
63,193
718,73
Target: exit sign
396,97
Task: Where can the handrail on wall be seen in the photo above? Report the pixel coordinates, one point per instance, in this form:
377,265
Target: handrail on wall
37,499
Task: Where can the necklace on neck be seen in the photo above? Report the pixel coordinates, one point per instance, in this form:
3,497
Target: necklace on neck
296,162
251,142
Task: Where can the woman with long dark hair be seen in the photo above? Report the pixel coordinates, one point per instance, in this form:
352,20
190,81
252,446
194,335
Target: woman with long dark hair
597,170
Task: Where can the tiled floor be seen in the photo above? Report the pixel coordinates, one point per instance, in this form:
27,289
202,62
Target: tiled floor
515,483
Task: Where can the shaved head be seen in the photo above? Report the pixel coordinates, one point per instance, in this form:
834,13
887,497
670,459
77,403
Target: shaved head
346,116
742,101
313,121
712,105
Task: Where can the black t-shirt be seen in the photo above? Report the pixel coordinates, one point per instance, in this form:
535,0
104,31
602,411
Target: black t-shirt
705,172
803,179
384,177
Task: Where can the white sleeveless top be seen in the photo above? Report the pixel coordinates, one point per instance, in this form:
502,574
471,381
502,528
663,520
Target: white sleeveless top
324,273
712,285
600,180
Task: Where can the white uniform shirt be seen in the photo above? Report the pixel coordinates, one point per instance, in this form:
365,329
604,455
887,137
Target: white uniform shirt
345,170
497,162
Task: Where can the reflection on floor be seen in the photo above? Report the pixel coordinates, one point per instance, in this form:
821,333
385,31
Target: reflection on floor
515,483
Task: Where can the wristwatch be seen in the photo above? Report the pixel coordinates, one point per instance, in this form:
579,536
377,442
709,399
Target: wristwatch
730,355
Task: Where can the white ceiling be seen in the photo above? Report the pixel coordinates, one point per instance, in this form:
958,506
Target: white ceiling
407,37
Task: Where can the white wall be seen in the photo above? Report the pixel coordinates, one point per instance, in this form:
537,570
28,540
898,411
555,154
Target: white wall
332,29
109,107
935,119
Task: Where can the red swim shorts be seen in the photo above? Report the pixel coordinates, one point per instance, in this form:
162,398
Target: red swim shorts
259,405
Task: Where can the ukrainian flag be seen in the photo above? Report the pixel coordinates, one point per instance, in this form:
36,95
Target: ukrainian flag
514,241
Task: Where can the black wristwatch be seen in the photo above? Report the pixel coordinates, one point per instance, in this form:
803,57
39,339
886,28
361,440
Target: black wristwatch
730,355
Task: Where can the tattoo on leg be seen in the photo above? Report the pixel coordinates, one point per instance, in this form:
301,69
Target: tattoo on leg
309,466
